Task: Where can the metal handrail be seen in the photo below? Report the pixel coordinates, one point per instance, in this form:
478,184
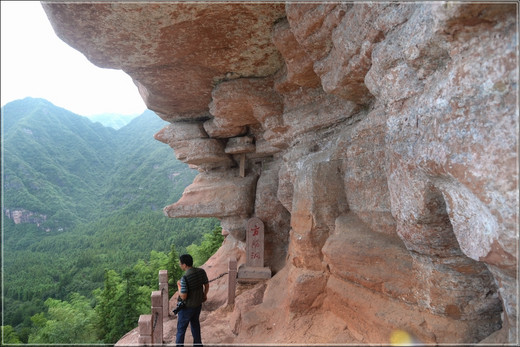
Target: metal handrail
155,322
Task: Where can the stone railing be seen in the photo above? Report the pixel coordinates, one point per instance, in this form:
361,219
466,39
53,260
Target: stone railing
151,325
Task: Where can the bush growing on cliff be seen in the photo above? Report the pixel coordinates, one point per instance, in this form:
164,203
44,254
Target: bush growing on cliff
209,245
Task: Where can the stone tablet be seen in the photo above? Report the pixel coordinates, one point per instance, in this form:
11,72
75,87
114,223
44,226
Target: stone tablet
255,243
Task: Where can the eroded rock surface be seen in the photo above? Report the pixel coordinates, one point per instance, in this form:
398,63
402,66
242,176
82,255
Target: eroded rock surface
378,142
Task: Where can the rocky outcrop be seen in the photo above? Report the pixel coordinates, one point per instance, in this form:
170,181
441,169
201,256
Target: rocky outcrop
23,216
377,141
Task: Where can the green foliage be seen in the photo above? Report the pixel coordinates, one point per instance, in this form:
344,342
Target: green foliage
60,263
107,301
119,305
174,270
211,243
9,336
65,322
125,297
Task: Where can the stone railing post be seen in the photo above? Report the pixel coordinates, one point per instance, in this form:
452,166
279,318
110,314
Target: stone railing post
145,330
232,280
157,318
163,287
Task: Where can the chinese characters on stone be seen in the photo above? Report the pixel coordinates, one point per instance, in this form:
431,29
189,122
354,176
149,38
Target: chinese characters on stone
255,243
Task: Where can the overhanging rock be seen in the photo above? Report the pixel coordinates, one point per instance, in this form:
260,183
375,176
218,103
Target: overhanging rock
215,195
175,52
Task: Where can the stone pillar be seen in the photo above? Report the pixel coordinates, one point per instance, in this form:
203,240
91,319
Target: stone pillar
255,243
145,330
157,317
163,287
232,280
253,269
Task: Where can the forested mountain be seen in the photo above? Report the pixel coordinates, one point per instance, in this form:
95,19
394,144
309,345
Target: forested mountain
144,168
67,169
52,163
80,199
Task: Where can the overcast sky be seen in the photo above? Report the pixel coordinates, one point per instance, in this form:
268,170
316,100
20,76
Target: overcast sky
36,63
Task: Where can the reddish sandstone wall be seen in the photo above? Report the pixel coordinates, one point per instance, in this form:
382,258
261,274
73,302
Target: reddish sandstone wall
381,146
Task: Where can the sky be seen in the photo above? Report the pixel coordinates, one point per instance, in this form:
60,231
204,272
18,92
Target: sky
35,62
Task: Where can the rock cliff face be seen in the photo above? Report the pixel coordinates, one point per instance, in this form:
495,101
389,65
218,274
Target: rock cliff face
378,144
23,216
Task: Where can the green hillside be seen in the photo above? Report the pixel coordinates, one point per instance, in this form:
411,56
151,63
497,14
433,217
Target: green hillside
86,199
71,170
146,175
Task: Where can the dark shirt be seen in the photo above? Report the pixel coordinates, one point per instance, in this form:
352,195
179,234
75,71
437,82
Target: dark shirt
195,278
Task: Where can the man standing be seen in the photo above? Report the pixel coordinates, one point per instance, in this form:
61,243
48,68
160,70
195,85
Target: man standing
193,289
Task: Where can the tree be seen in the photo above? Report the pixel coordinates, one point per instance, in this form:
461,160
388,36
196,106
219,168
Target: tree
130,300
124,298
107,302
174,271
211,243
65,322
9,336
158,261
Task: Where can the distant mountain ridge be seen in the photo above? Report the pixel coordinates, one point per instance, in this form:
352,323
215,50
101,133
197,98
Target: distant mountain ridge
112,120
67,168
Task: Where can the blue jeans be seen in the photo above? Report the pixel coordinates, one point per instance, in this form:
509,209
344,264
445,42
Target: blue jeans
188,315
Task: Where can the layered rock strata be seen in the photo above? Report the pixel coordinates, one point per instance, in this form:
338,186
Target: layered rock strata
378,142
